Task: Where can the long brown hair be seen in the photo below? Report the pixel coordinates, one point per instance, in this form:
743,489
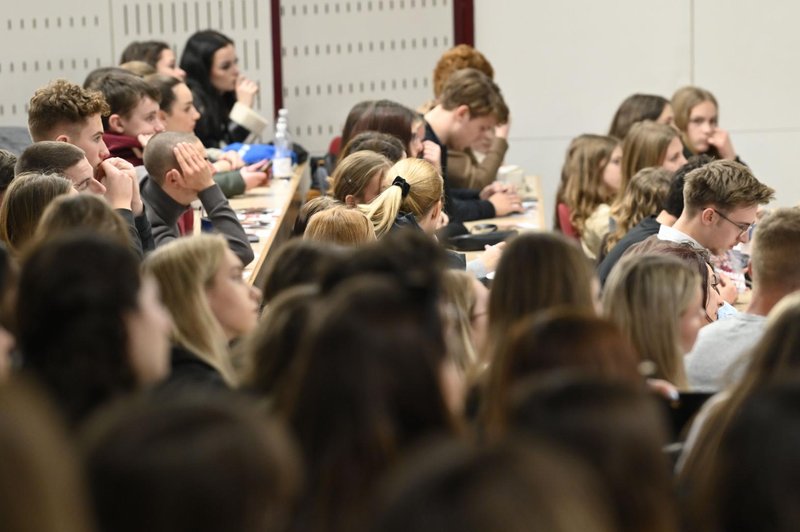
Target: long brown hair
537,271
582,175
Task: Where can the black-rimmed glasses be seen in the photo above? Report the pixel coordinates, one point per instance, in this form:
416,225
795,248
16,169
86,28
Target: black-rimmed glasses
742,226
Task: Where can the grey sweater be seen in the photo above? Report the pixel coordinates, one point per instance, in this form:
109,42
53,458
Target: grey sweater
722,351
163,213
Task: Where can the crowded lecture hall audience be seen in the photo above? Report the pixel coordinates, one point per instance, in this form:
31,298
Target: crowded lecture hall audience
631,368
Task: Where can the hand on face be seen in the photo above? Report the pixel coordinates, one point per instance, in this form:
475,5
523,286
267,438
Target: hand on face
195,171
722,141
246,90
119,177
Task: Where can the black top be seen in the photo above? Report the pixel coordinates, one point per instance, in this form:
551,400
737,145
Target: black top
214,128
460,204
644,229
189,371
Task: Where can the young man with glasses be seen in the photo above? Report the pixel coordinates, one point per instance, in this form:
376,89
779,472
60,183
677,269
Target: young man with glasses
721,346
721,200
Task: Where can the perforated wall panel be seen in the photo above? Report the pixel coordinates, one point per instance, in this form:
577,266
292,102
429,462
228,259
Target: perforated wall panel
48,39
338,53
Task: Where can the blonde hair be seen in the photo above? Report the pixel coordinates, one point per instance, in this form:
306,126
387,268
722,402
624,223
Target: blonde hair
353,173
459,294
81,212
645,296
683,101
644,196
582,173
23,204
184,269
340,225
426,188
645,145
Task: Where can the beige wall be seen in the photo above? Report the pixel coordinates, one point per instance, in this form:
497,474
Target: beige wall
565,67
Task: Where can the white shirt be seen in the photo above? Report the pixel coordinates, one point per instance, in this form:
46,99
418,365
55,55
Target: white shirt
671,234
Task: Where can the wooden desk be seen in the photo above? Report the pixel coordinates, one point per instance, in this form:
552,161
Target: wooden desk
283,197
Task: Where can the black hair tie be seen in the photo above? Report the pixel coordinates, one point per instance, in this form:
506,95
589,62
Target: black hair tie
403,184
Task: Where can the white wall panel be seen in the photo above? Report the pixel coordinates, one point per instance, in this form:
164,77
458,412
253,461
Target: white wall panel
338,53
46,39
564,67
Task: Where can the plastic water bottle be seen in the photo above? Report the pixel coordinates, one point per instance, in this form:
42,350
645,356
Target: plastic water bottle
282,162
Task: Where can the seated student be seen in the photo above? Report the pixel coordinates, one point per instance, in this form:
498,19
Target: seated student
414,200
470,105
476,166
720,204
697,259
65,112
120,187
589,176
552,341
138,68
90,327
617,428
298,262
275,344
355,406
392,118
41,484
178,113
519,485
467,301
749,484
657,302
724,346
157,54
537,271
133,117
637,108
74,212
650,225
26,199
309,209
728,421
387,145
697,118
577,152
201,284
643,197
178,174
9,277
358,177
341,226
222,94
190,463
650,144
7,162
